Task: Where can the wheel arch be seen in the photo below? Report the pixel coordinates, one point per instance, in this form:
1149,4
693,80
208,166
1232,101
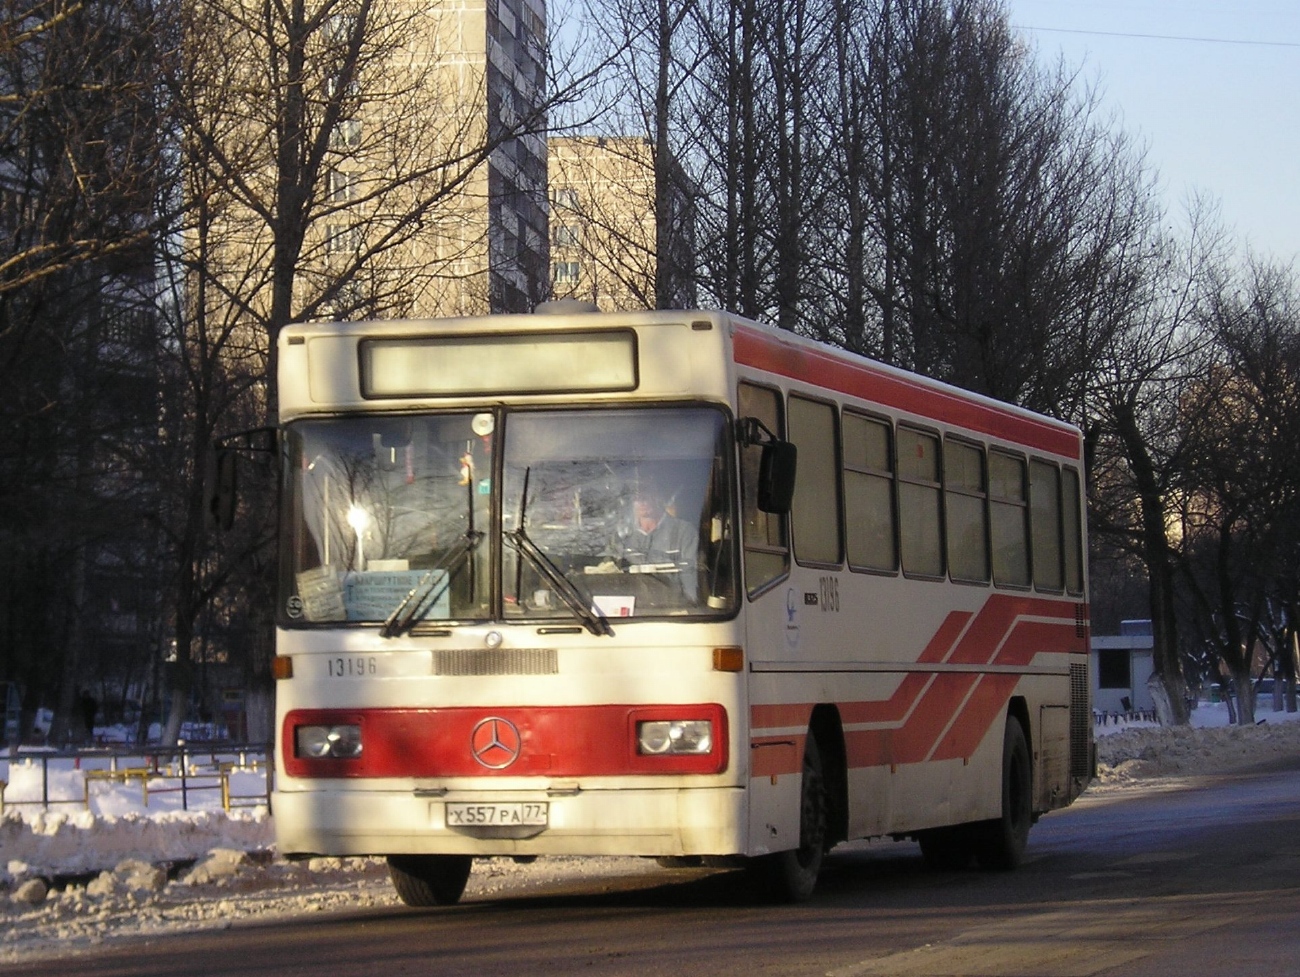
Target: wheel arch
828,729
1018,709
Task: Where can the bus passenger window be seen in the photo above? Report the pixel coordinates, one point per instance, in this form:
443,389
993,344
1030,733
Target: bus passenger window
816,509
918,503
1072,532
1045,516
869,493
767,554
967,517
1010,525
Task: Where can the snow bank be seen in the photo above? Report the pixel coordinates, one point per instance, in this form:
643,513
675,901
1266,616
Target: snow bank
1143,752
52,843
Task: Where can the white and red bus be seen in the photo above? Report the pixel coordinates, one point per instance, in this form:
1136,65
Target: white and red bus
669,584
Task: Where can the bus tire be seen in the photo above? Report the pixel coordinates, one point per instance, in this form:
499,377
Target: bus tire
429,880
1001,842
791,876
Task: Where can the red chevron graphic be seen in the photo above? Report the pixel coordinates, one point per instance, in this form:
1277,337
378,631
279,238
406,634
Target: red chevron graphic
942,715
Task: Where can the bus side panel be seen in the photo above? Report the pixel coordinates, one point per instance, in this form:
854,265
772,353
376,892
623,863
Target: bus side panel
922,702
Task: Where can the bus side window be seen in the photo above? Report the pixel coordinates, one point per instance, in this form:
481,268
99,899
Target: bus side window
1009,510
869,493
1045,518
965,512
816,509
767,552
1072,531
919,503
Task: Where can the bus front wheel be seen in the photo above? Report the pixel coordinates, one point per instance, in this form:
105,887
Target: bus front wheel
791,876
429,880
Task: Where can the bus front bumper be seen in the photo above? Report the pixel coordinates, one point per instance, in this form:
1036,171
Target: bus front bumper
352,822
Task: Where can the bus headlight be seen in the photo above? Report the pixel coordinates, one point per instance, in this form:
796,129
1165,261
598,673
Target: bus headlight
674,736
317,742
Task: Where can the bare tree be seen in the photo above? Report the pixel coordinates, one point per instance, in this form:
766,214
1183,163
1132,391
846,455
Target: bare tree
78,127
1140,452
1242,479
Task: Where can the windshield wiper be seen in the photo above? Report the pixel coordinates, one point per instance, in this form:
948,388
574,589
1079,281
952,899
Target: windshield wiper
595,622
423,595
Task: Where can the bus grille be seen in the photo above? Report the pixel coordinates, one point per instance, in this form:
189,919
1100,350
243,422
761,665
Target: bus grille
1080,724
498,661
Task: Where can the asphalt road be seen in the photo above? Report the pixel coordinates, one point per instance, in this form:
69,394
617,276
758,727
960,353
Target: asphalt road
1201,881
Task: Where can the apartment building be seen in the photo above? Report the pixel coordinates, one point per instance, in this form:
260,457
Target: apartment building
430,196
603,240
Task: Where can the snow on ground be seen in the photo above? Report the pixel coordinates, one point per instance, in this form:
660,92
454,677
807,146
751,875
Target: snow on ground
72,878
1141,751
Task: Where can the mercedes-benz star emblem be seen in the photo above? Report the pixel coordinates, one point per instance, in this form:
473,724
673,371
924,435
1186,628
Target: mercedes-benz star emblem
495,743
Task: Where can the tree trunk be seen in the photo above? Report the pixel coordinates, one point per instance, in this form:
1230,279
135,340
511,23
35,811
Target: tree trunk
1166,713
1167,665
1291,667
1245,698
175,715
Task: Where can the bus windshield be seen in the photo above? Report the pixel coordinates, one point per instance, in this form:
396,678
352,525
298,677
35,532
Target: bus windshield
600,514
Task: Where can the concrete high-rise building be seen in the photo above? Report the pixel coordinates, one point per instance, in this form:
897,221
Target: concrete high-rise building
603,232
431,197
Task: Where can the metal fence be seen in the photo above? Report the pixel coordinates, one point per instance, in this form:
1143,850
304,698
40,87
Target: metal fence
185,769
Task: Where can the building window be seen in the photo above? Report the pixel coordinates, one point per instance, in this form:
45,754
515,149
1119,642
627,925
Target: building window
346,135
565,272
343,187
565,197
337,90
342,239
339,28
566,236
1113,669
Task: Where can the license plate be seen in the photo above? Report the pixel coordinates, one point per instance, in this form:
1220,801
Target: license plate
492,815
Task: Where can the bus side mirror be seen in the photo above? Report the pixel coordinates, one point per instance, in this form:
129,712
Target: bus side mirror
225,488
776,471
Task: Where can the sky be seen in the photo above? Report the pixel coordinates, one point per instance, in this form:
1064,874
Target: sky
1211,87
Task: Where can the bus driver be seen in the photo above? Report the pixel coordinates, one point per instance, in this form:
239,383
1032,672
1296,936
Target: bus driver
657,540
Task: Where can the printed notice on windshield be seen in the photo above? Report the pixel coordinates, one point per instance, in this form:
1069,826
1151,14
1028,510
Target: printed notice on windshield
613,605
320,596
373,596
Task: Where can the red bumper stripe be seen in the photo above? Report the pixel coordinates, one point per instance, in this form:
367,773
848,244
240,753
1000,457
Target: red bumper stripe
556,741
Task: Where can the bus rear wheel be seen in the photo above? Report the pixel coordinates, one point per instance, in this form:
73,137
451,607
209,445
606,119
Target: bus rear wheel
791,876
1000,843
429,880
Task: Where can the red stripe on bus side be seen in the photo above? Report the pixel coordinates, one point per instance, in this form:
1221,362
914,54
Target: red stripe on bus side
980,711
913,742
772,756
872,383
893,709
